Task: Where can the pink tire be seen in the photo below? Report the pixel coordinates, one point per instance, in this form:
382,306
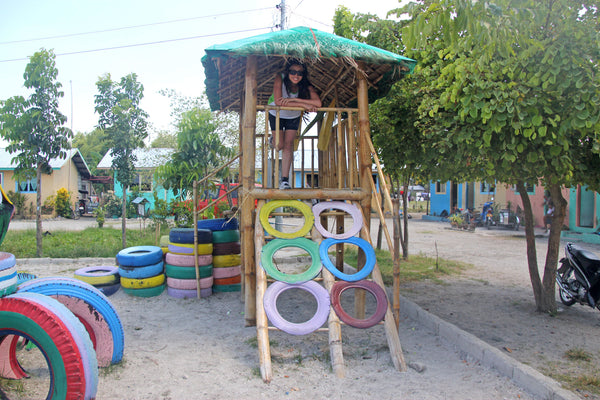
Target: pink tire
226,272
188,294
189,284
95,325
182,260
9,365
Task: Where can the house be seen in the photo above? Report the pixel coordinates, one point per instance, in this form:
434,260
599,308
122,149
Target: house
147,160
71,173
446,196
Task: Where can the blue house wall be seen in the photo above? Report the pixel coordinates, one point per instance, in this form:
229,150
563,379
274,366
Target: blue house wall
161,193
440,199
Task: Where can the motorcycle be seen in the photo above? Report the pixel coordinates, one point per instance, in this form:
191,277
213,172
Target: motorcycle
578,277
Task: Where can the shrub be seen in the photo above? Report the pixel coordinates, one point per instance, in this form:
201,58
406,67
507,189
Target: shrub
63,203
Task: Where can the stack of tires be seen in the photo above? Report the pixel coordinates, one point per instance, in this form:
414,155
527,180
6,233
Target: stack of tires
8,274
104,278
142,270
226,254
180,263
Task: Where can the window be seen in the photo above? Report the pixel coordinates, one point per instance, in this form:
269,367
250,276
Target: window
310,178
440,187
487,188
530,188
143,182
27,186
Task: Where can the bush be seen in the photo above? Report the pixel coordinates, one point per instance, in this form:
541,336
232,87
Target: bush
49,204
63,203
18,200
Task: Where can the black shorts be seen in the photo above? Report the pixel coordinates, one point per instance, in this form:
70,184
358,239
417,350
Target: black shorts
284,123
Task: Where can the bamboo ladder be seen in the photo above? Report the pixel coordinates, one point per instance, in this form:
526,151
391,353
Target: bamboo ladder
345,138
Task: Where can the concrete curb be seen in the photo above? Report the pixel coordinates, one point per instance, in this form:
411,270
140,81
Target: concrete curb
522,375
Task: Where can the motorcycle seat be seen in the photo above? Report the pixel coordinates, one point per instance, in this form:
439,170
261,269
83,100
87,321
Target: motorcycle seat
588,260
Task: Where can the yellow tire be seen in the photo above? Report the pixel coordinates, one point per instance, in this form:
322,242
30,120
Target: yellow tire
153,281
227,260
267,209
188,249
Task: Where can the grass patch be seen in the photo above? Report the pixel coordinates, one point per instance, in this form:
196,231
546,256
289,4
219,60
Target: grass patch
585,382
91,242
577,354
416,268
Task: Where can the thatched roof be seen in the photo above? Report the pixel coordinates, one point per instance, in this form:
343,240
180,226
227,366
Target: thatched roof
332,61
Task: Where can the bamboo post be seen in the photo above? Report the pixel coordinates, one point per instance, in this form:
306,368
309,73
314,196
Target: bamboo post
247,167
381,216
391,332
396,267
262,323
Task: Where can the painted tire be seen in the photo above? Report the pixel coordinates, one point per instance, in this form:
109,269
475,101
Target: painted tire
173,271
75,288
351,209
138,256
188,294
8,273
227,288
145,292
266,259
220,249
219,224
105,275
9,365
359,275
228,260
182,260
46,323
7,260
186,235
304,328
226,272
306,211
151,282
188,249
23,277
228,281
226,236
189,284
141,272
164,241
382,303
94,324
9,286
109,290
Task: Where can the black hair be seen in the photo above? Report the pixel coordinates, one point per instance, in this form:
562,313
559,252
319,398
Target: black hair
303,85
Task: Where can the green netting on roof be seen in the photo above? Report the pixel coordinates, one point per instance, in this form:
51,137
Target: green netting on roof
327,55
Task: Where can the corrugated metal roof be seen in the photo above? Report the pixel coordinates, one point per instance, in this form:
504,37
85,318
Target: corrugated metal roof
6,162
332,65
147,158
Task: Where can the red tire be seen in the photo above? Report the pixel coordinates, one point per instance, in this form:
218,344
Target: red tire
228,281
371,287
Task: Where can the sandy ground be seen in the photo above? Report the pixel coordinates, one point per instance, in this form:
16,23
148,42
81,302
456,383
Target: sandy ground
200,349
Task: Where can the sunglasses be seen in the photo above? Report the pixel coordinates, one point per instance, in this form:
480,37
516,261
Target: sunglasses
295,72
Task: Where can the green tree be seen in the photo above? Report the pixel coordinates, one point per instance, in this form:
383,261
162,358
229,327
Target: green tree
124,122
199,150
512,96
93,146
164,140
34,128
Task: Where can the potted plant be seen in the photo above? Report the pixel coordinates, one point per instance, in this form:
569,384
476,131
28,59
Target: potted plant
456,220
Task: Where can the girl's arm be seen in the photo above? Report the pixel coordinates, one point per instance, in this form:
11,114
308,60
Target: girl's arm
309,104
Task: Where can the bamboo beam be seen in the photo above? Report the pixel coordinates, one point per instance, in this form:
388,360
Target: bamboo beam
391,332
307,194
381,216
386,191
262,323
396,266
247,207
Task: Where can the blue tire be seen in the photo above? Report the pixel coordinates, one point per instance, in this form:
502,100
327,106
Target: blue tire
7,260
186,235
363,244
81,290
138,256
219,224
141,272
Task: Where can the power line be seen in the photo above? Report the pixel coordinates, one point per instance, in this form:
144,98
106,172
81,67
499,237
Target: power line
143,44
133,26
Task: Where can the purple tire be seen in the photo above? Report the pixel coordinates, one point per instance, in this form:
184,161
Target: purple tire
304,328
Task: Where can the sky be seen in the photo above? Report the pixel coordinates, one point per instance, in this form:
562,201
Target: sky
160,41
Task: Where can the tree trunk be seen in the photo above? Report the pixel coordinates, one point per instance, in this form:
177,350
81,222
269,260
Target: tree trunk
38,212
534,275
124,218
549,279
405,209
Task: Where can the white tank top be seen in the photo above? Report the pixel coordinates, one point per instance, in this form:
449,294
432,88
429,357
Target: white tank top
285,114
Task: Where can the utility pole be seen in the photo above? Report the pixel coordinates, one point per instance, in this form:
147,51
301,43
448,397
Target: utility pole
283,23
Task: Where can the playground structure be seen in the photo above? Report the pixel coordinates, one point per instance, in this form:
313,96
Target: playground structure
347,75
